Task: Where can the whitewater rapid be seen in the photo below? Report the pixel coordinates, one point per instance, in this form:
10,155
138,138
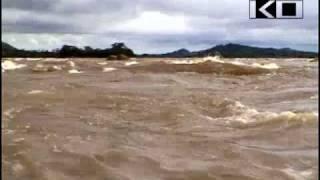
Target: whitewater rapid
192,118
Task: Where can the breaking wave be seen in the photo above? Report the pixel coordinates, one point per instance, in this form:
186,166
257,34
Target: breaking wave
35,92
55,60
167,124
34,59
235,113
108,69
10,65
217,59
46,68
131,63
102,63
74,71
208,65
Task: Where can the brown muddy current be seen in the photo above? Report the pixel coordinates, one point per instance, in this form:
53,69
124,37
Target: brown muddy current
160,119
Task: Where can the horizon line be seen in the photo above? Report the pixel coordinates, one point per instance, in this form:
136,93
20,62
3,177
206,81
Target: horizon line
210,47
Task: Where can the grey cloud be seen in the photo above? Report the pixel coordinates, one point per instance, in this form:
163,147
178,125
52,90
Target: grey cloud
30,26
211,22
28,5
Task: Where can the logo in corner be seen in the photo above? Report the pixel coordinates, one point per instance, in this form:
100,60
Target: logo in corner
276,9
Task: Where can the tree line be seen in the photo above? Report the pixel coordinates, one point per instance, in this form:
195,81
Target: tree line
116,49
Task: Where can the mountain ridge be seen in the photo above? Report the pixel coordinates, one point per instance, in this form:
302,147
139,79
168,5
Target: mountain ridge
230,50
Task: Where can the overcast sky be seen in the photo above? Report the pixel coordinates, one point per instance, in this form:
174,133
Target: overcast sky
151,26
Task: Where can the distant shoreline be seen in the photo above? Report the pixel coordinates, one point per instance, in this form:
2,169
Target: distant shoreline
120,49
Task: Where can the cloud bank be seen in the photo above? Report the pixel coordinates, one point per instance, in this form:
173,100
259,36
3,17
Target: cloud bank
151,26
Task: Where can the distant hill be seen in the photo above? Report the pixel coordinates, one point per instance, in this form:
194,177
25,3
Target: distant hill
240,51
10,51
7,49
177,54
228,51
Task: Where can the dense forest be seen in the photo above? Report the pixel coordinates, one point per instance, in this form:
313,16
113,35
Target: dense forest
121,50
69,51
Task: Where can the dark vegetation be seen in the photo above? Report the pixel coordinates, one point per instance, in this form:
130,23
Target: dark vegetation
239,51
119,51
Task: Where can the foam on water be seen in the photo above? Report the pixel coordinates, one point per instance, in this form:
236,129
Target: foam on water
193,131
246,115
33,59
196,61
11,113
131,63
18,59
315,60
218,60
74,71
55,60
10,65
213,59
314,97
205,65
109,69
58,68
35,92
46,68
71,64
266,66
237,63
298,174
102,63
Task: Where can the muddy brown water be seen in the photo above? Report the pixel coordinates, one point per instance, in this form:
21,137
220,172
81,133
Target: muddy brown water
155,119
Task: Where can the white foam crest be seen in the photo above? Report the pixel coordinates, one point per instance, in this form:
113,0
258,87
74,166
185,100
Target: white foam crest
241,112
46,68
270,66
290,59
18,59
314,97
313,60
9,65
55,60
58,68
238,63
217,59
102,63
10,113
33,59
194,61
213,59
246,115
197,60
39,66
298,174
71,64
266,66
35,92
288,116
131,63
109,69
74,71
